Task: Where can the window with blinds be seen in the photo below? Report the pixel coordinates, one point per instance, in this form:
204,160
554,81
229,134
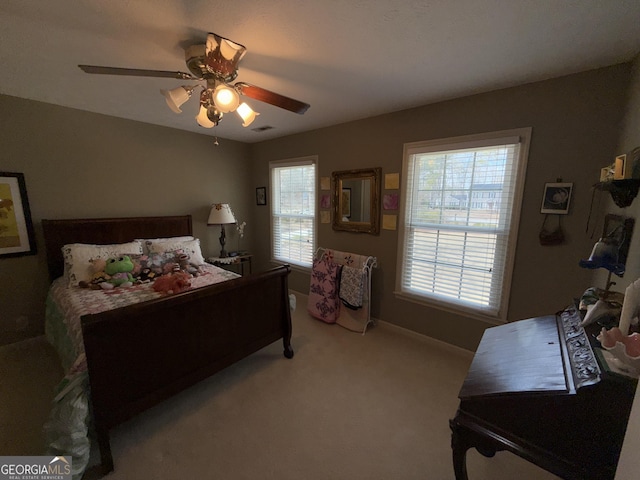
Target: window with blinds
459,220
293,210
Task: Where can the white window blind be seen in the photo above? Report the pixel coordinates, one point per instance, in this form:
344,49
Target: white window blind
293,187
459,220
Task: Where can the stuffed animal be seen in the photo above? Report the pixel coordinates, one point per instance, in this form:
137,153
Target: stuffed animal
98,275
172,283
120,271
170,267
154,262
146,275
186,266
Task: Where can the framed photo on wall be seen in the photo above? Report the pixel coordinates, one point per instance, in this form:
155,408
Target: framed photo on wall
390,201
16,229
556,198
261,196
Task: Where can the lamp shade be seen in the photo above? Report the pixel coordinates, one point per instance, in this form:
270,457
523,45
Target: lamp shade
202,118
247,114
177,96
225,98
220,214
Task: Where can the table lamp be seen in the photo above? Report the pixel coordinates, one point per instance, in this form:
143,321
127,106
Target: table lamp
222,215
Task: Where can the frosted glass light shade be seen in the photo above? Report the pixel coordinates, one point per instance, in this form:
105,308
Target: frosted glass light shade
247,114
220,214
226,98
177,96
203,119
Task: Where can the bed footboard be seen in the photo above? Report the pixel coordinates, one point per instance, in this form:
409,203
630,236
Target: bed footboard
141,354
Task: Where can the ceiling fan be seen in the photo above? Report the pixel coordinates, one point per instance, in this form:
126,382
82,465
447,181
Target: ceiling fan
216,64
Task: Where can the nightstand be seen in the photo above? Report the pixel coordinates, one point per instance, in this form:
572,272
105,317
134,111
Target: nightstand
235,264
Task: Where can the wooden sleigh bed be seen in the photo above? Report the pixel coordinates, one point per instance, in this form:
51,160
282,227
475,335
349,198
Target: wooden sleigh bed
141,354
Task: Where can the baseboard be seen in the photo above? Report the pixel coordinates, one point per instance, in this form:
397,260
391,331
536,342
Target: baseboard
427,339
421,336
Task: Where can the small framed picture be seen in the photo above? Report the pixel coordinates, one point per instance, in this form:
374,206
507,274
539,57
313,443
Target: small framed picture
390,201
261,196
556,198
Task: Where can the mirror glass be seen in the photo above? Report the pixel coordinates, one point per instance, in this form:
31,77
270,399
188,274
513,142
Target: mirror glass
356,200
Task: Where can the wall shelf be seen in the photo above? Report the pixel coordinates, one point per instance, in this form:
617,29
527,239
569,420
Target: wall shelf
622,191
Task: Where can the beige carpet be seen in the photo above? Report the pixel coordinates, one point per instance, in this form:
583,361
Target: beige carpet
346,406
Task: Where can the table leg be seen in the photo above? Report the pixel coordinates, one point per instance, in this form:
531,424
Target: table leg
459,447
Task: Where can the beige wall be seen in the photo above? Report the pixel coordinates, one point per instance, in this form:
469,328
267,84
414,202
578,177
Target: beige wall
576,123
79,165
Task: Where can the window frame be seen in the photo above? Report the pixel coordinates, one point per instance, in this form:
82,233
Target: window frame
293,162
461,142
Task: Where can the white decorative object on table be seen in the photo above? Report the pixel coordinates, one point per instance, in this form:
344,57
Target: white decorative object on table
240,228
630,307
598,310
625,348
223,260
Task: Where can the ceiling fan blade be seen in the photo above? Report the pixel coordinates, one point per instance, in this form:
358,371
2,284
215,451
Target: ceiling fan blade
136,72
272,98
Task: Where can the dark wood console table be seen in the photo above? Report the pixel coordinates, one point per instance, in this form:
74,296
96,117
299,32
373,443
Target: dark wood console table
536,388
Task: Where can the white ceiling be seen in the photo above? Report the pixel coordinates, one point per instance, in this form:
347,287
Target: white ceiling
349,59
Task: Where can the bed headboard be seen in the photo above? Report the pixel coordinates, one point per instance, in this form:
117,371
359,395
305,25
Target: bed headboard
104,231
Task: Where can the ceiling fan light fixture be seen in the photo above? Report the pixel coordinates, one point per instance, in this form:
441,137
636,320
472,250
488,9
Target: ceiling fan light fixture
215,65
177,96
247,114
226,98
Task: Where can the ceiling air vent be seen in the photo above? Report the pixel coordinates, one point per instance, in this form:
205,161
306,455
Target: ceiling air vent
262,129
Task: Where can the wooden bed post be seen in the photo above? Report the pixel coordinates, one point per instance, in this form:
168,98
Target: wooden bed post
106,459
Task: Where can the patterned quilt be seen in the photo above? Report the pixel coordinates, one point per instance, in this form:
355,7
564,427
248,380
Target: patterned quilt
73,303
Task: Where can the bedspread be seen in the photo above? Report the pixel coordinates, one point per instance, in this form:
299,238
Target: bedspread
67,305
67,430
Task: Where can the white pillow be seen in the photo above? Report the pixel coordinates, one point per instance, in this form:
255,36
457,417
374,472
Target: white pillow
146,242
190,247
78,257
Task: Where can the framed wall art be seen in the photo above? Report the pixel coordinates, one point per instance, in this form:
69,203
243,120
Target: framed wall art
261,196
390,201
16,228
391,181
556,198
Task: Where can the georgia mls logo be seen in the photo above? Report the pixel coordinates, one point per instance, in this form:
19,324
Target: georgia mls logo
35,468
62,462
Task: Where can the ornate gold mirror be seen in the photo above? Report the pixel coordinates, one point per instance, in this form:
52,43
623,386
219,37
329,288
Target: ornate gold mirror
356,200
